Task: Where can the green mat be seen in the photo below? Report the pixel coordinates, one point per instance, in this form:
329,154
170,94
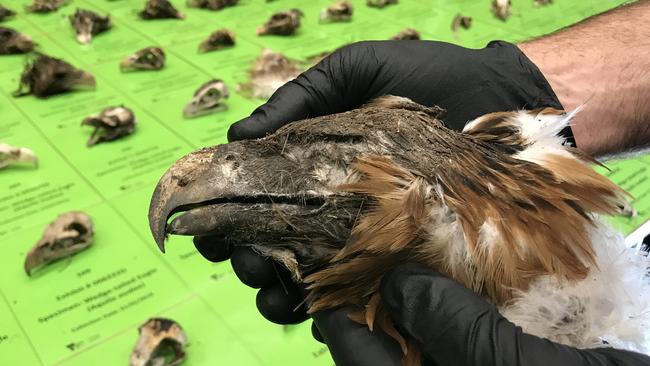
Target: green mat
85,311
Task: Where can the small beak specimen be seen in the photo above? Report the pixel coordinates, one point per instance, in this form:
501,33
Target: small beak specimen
45,76
88,24
46,6
208,98
6,13
408,34
161,343
340,11
150,58
501,9
160,9
68,234
219,39
110,124
10,155
283,23
380,3
211,4
460,21
12,42
271,71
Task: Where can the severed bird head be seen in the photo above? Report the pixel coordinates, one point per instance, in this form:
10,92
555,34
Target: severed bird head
13,42
341,199
271,71
219,39
44,76
6,13
211,4
68,234
340,11
408,34
160,9
283,23
46,6
380,3
88,24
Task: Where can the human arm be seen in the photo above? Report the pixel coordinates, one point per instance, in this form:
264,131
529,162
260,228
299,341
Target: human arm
604,63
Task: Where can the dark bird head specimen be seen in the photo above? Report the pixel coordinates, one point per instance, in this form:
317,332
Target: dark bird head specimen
10,155
408,34
6,13
208,98
161,342
340,11
110,124
46,6
44,76
12,42
341,199
218,40
461,21
160,9
149,58
88,24
283,23
380,3
271,71
211,4
68,234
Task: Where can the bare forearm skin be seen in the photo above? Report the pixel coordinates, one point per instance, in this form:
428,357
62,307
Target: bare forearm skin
603,63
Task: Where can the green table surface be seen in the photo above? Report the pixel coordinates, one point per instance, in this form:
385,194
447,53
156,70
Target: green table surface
86,310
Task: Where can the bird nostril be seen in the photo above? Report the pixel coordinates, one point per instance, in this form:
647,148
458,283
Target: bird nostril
229,157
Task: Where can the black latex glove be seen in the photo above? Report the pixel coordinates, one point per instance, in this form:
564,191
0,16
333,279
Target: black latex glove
467,83
452,326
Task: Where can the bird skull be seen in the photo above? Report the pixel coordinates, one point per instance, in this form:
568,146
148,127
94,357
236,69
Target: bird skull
11,155
160,9
110,124
219,39
161,343
338,12
68,234
283,23
209,98
150,58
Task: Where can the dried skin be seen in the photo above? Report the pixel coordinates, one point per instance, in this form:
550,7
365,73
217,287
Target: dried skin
380,3
271,71
13,42
408,34
46,6
88,24
161,342
211,4
340,11
208,98
110,124
68,234
45,76
149,58
160,9
10,155
218,40
284,23
6,13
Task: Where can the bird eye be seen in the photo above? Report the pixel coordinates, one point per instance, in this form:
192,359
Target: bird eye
60,74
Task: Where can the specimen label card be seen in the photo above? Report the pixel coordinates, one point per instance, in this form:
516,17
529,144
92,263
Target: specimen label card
86,309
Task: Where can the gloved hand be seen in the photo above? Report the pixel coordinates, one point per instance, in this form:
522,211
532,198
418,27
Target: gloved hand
467,83
451,326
